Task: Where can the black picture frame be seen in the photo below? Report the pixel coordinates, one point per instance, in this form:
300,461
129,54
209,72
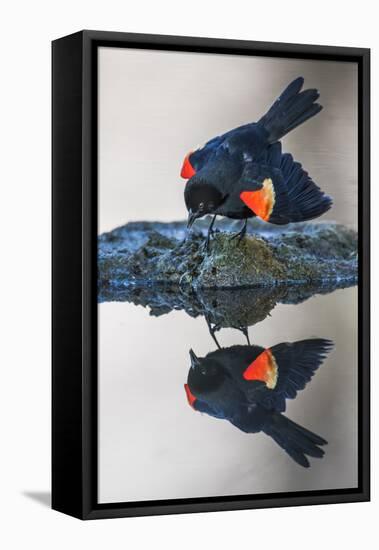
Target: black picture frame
74,313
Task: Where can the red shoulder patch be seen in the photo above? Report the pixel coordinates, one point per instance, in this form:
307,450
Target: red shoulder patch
260,202
187,169
263,368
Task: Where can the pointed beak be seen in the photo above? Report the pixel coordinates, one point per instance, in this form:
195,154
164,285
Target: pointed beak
191,218
194,359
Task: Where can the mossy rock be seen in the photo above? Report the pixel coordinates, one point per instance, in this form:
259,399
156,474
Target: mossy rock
230,263
147,254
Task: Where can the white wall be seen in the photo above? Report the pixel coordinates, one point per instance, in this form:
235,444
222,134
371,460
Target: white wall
27,28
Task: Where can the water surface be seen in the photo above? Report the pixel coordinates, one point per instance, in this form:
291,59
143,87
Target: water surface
153,445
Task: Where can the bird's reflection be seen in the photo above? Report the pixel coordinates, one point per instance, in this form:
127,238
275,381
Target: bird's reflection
249,385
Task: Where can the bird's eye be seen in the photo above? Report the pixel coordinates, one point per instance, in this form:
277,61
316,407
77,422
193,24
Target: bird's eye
201,206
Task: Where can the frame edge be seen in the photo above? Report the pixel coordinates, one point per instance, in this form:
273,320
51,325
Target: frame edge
76,497
67,386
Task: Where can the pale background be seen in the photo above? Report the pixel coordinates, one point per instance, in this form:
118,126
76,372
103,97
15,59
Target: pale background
154,107
27,30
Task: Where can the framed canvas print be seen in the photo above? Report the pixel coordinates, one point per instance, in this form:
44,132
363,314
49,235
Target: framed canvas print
210,274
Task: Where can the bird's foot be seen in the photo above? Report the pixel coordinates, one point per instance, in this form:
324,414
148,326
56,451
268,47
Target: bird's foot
245,332
241,234
207,242
209,234
205,246
213,330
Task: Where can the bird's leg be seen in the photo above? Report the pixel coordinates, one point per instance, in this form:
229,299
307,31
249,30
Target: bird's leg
240,235
245,332
212,331
210,232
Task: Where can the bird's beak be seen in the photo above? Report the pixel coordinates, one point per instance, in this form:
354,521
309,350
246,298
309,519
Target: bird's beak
194,359
191,218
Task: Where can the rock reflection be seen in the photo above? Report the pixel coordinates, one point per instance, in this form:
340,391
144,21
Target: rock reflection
249,385
237,308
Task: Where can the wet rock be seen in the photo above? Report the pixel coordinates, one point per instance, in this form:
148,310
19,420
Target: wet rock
145,254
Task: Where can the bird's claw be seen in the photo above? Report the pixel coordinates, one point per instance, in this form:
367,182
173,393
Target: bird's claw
207,241
213,330
245,332
206,246
240,235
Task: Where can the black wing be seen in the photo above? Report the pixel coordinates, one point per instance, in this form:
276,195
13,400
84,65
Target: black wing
200,157
277,189
296,364
246,137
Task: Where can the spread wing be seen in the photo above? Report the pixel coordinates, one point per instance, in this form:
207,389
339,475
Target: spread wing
285,369
278,190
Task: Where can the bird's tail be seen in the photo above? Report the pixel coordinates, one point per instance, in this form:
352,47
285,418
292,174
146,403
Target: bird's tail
295,440
305,198
291,109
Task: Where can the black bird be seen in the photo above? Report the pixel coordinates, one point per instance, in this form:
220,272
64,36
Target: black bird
249,385
243,173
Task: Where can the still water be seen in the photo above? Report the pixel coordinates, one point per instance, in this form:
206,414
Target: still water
154,445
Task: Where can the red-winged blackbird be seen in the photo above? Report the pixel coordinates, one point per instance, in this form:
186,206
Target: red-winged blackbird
249,385
243,173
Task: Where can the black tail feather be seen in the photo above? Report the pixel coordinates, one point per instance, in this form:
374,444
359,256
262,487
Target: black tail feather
305,198
296,441
290,110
